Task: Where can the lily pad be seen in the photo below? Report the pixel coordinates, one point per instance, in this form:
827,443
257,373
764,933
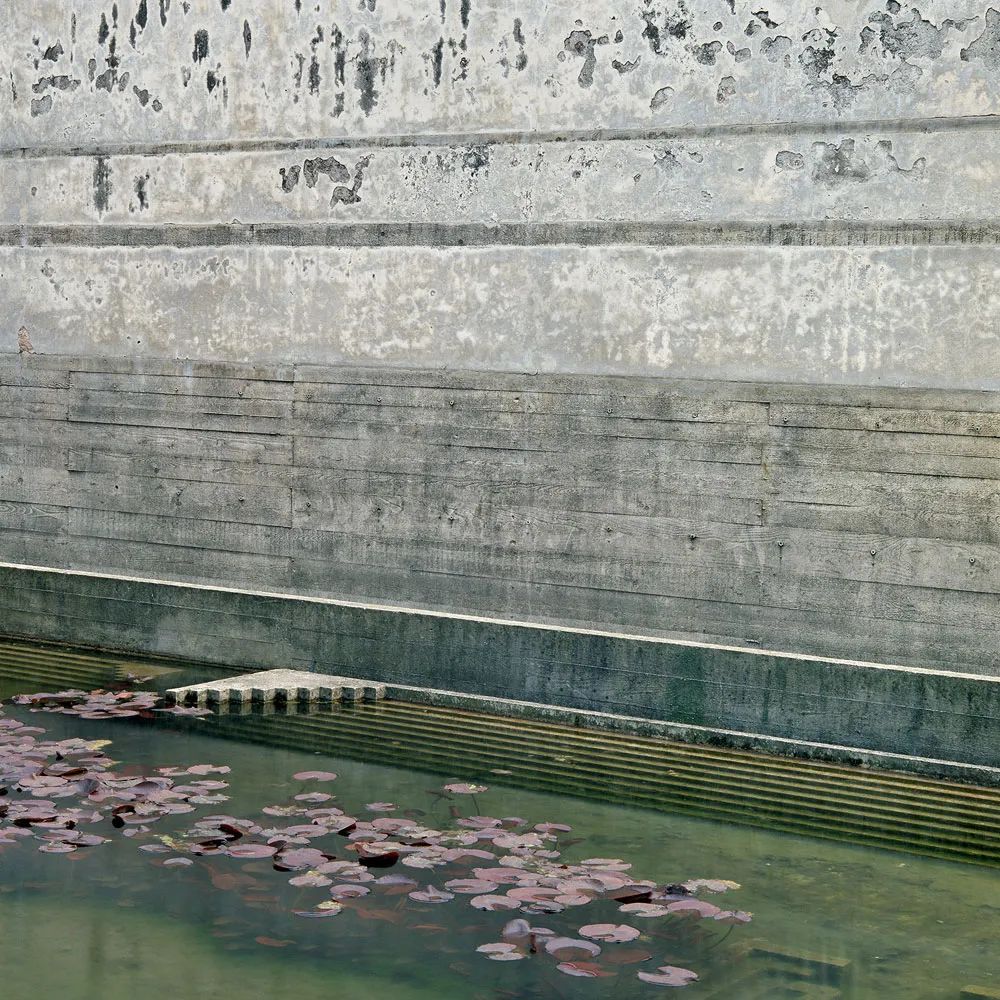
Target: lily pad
669,975
610,933
585,970
501,952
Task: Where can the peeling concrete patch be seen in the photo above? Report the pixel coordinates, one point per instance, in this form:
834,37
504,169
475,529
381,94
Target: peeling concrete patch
583,44
788,160
839,164
290,178
707,52
330,166
661,97
844,164
986,47
915,38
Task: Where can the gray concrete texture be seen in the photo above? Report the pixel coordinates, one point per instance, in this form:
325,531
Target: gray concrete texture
831,521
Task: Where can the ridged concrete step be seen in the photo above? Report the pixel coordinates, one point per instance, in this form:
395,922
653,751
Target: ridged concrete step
820,799
276,687
363,732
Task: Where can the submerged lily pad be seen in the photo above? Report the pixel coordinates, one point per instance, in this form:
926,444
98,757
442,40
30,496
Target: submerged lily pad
494,903
460,788
585,970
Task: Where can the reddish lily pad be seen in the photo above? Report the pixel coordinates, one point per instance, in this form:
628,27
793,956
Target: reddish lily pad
251,851
610,933
585,970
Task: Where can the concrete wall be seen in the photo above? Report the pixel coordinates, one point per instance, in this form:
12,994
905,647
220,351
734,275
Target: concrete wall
850,522
719,189
670,317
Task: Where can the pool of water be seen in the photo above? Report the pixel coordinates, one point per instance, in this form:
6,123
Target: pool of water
114,921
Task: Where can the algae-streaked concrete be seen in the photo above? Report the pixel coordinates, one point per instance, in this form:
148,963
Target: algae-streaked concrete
894,710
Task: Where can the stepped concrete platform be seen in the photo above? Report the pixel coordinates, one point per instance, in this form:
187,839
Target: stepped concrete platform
269,686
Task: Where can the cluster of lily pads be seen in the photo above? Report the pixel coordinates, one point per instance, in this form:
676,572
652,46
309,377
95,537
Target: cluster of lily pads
51,791
494,864
104,704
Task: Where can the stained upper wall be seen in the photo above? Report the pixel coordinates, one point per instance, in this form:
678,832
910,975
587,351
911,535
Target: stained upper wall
788,192
153,71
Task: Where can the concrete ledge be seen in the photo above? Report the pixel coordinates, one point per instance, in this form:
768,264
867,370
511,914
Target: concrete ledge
882,715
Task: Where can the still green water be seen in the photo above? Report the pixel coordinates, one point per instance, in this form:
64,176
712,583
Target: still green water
830,920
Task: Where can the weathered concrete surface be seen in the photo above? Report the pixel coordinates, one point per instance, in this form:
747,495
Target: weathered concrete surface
948,717
149,71
895,315
838,521
880,173
557,186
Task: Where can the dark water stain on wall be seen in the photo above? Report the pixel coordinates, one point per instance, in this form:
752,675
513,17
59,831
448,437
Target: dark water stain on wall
102,183
200,45
437,61
662,26
142,191
476,159
367,74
